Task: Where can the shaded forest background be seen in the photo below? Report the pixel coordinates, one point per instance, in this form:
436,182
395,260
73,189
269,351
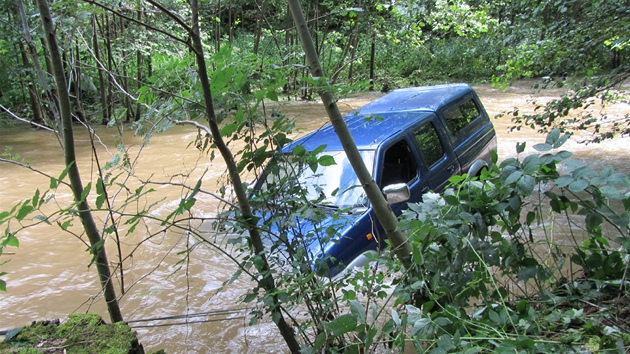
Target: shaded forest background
120,55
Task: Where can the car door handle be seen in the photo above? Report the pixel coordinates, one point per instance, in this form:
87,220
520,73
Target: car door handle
451,168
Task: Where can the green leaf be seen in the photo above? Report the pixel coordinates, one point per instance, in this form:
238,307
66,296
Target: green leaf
299,150
66,224
543,147
563,139
358,310
527,273
3,285
494,317
520,147
552,137
531,216
563,155
513,177
100,200
326,160
11,241
578,185
64,172
526,184
86,191
341,325
319,149
229,129
451,200
35,200
611,192
396,317
442,321
531,163
423,326
272,95
100,186
593,220
25,209
100,191
320,340
564,181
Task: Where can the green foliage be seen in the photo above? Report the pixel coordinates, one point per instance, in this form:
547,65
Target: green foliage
486,246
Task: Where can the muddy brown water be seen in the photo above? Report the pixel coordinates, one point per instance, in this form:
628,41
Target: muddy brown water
48,275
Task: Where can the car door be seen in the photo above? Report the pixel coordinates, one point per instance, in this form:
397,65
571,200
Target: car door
437,156
399,162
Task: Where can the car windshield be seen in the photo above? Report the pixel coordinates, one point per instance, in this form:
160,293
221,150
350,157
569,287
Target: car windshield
335,185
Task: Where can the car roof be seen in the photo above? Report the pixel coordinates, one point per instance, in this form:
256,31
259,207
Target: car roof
385,117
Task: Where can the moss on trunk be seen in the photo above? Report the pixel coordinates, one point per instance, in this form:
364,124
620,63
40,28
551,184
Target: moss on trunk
80,333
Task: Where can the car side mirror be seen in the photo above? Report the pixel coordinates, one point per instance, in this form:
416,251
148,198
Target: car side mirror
397,193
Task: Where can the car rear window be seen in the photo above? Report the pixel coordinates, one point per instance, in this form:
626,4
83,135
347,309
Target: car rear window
458,117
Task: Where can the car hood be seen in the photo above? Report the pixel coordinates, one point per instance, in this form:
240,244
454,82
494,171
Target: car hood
314,229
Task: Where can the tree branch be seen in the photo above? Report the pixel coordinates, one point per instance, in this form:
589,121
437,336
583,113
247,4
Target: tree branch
131,19
26,120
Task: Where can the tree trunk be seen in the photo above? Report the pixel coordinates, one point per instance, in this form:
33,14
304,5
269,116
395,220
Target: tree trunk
384,213
110,65
84,211
258,36
78,93
266,280
41,76
139,69
217,37
36,106
372,54
101,74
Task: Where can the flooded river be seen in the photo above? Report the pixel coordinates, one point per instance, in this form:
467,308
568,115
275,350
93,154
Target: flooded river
48,275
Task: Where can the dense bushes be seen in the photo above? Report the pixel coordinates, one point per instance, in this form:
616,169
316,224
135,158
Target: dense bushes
532,256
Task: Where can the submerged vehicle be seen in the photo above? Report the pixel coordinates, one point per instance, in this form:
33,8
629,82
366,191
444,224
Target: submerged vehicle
412,140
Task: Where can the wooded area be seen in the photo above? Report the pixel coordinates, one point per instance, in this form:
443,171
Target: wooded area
120,56
468,260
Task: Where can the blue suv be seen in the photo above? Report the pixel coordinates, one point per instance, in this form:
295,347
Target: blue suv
413,140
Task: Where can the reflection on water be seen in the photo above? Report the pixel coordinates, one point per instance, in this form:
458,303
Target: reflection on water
49,275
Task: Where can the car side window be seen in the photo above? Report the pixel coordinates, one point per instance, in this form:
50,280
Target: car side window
457,118
399,165
429,143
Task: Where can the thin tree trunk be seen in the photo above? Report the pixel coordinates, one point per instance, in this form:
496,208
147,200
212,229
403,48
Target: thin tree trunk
384,213
139,68
230,29
258,35
78,93
122,71
218,28
84,211
110,64
36,106
41,76
266,280
101,75
372,54
51,91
